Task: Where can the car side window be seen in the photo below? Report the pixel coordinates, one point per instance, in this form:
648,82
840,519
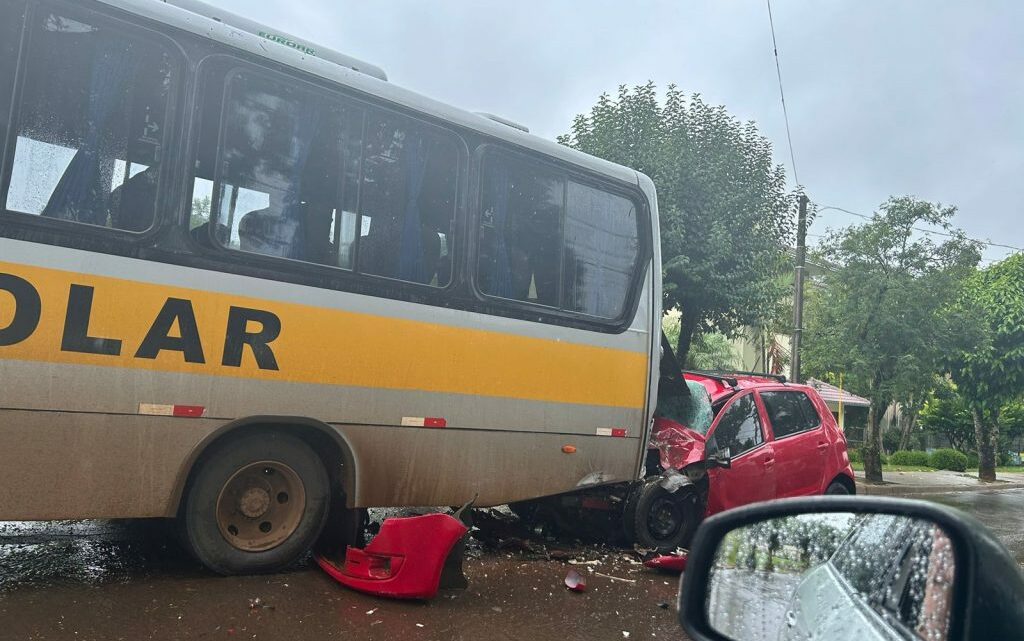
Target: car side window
790,412
810,411
739,428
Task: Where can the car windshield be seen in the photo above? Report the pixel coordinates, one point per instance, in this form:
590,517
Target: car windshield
692,410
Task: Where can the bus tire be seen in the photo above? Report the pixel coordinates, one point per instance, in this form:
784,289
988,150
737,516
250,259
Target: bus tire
663,520
256,504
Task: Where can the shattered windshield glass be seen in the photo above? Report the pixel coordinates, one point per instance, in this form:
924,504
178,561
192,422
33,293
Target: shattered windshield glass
691,410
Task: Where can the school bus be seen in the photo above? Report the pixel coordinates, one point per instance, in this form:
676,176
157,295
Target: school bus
248,283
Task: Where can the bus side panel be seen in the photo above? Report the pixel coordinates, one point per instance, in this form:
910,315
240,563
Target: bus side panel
62,465
448,467
59,465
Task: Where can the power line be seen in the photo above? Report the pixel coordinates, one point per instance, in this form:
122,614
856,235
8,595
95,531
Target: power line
923,230
782,94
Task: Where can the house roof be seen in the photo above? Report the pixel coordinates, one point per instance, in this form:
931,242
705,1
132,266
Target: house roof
832,394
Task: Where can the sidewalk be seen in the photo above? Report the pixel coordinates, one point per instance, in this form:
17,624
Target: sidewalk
937,482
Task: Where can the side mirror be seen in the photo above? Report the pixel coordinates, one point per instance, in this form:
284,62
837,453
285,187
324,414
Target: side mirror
849,568
718,460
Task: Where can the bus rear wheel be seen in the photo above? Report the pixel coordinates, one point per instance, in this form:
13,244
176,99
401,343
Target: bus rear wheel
256,504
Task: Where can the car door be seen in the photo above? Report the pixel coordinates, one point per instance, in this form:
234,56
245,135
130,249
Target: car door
800,443
739,432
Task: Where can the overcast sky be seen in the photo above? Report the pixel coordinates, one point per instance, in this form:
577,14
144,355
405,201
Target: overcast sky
922,97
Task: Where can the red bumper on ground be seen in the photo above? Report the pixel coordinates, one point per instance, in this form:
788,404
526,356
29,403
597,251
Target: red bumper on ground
404,560
667,562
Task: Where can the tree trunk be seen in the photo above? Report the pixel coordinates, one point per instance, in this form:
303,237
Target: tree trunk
908,427
872,449
987,437
687,326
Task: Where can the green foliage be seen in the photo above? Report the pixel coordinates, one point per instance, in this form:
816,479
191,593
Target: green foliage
200,212
947,459
891,440
945,414
972,460
708,350
857,455
989,371
726,219
881,316
909,457
1011,419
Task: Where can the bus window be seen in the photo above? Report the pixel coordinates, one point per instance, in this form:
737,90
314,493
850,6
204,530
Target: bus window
12,18
91,123
601,249
278,193
554,242
520,235
407,201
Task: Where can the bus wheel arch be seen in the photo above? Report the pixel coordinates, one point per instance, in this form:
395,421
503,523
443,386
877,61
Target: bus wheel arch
322,455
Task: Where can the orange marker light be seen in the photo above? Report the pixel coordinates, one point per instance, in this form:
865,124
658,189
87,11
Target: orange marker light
569,449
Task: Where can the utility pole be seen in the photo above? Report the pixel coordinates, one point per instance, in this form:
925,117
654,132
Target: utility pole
798,302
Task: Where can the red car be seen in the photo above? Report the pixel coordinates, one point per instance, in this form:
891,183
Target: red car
734,439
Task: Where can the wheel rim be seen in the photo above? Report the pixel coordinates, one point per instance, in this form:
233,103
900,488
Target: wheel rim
664,519
260,506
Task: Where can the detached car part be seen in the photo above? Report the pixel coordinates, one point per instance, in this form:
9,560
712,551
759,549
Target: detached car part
407,558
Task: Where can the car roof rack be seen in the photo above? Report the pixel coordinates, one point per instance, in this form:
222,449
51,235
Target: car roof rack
776,377
717,376
729,376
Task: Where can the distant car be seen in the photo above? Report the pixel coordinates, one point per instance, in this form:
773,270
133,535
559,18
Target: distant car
735,439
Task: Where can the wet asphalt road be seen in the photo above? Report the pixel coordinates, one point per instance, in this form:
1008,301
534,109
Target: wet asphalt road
129,580
1001,512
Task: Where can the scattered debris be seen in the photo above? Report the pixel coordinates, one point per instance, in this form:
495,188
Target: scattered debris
663,605
614,578
625,635
258,604
575,581
668,562
580,562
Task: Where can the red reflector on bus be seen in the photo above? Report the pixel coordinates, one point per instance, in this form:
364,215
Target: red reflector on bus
619,432
421,421
189,411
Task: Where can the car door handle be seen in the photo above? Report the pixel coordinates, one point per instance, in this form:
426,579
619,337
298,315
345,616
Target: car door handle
822,447
768,462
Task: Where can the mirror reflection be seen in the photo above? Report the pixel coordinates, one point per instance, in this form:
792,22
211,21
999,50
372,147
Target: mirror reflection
833,576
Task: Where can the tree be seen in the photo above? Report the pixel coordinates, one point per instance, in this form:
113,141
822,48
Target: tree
709,351
881,316
1011,419
200,211
945,414
990,372
726,219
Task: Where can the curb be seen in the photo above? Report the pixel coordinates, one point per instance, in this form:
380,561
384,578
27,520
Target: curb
897,489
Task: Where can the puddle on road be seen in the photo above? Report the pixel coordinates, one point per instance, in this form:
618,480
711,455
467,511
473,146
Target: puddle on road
87,552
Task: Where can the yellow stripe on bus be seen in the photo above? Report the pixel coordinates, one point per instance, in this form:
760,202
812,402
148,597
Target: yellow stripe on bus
314,345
